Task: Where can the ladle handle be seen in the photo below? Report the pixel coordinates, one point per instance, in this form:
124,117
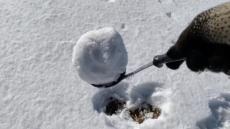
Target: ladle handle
139,69
158,61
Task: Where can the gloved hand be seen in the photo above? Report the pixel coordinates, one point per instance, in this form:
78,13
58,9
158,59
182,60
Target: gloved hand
205,43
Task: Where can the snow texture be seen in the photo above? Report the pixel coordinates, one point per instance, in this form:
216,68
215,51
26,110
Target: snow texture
40,88
100,56
220,113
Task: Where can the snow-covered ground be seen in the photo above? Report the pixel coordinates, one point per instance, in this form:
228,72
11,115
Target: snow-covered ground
40,89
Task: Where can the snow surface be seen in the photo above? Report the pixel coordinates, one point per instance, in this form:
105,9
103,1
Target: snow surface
40,89
100,56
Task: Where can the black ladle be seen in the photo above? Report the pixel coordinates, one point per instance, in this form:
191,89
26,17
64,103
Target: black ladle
158,61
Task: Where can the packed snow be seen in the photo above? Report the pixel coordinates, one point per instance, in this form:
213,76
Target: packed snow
100,56
41,89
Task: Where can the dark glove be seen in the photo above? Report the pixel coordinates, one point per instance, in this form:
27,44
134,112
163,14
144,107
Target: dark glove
205,43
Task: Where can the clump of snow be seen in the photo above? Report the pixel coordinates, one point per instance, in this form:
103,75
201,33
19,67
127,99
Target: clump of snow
100,56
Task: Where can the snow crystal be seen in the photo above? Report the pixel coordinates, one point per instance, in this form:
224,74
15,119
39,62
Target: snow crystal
100,56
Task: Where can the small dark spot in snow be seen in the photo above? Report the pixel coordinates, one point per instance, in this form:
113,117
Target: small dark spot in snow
123,26
169,14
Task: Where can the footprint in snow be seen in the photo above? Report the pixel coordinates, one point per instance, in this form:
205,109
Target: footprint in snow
220,114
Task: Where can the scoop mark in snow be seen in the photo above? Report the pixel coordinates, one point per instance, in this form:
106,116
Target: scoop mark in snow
220,114
119,102
114,106
103,97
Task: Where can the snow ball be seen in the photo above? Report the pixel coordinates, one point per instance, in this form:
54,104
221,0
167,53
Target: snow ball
100,56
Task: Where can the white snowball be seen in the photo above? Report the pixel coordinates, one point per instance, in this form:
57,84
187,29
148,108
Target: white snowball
100,56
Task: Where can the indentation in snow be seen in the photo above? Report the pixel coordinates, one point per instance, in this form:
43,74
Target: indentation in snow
150,97
220,114
144,111
103,97
114,106
144,93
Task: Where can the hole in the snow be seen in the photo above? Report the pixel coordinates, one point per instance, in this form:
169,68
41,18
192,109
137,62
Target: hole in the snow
138,104
110,100
144,111
114,106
